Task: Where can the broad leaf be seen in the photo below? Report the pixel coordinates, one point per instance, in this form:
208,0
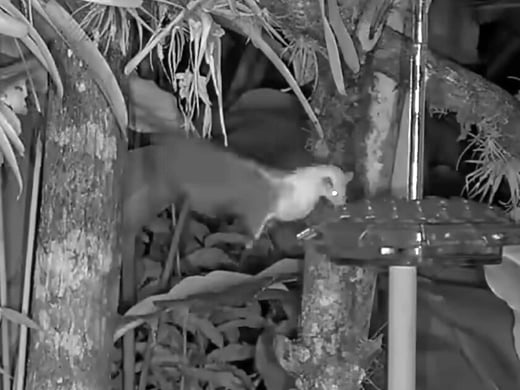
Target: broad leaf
37,46
11,26
504,281
232,353
118,3
332,51
210,259
267,364
155,110
6,148
86,50
345,43
18,318
226,238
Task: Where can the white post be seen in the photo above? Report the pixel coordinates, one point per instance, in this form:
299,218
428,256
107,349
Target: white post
402,316
402,328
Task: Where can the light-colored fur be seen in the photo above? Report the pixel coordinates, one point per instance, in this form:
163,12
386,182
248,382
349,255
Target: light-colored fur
300,190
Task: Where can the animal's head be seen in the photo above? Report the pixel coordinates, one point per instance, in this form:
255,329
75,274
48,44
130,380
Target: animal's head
302,189
333,183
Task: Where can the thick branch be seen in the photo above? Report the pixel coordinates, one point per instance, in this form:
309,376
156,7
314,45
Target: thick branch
334,350
454,88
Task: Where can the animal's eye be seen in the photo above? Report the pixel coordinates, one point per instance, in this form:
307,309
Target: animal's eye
334,193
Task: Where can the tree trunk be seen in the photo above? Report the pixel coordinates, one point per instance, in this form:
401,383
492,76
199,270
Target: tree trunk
76,280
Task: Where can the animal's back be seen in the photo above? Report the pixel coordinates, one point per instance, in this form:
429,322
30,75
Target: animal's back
216,181
206,171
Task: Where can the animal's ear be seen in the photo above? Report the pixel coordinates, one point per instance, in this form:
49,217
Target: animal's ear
327,182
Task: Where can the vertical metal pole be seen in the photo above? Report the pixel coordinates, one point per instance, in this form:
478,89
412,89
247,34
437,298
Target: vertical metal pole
403,280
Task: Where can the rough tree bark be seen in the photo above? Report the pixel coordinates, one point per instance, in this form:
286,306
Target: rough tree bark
453,88
76,281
